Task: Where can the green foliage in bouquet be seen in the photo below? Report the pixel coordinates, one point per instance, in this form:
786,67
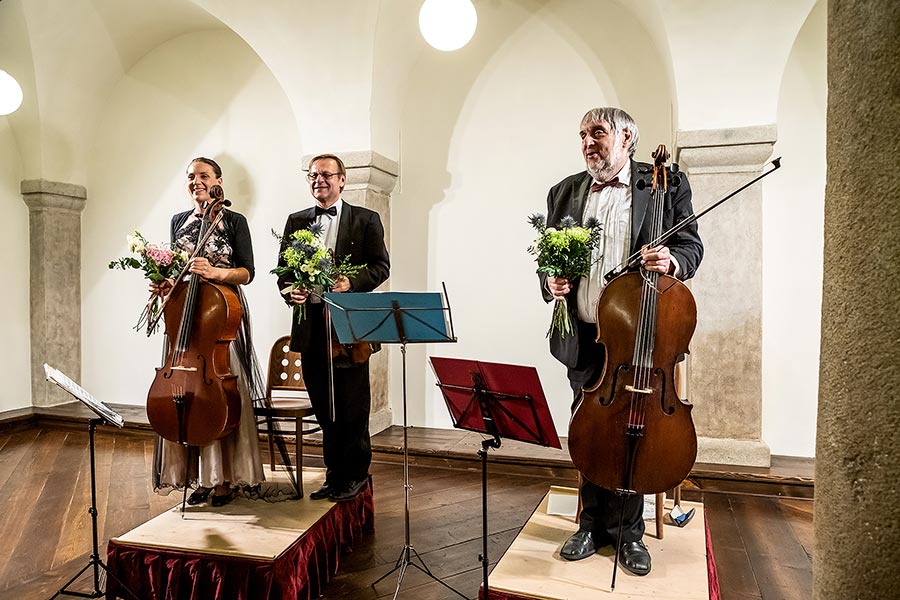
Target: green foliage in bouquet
564,252
310,263
158,262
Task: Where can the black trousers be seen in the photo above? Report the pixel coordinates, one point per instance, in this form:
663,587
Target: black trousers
601,509
346,447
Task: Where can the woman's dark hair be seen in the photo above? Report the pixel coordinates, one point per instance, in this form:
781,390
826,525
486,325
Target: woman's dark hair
216,168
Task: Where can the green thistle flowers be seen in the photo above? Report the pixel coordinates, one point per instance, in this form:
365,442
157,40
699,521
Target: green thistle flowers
311,263
564,252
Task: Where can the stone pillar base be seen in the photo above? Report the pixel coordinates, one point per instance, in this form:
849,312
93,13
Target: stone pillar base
748,453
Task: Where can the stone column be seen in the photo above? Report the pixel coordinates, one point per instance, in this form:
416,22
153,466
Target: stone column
55,238
725,368
371,178
857,507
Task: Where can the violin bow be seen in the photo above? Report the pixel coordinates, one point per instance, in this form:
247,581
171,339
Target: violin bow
151,323
635,258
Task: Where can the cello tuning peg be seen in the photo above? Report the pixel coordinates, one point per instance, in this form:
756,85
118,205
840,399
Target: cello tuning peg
640,184
676,180
674,168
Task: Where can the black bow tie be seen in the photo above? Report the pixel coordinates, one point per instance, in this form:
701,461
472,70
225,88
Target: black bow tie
596,187
326,211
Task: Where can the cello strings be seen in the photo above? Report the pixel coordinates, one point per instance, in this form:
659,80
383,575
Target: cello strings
646,327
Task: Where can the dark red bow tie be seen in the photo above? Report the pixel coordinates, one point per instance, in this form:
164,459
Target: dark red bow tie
596,187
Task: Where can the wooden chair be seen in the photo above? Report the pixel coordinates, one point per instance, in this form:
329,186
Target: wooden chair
286,411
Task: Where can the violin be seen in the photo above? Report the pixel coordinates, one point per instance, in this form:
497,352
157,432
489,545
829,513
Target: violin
357,352
194,398
630,432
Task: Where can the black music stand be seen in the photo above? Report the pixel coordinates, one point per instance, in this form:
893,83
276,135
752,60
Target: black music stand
498,400
395,318
110,417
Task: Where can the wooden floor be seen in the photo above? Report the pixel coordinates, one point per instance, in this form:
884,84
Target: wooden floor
762,543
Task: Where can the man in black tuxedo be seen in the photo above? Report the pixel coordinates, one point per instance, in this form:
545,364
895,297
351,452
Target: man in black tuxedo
357,233
607,191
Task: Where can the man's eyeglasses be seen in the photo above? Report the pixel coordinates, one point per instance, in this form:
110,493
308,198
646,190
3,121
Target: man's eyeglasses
324,175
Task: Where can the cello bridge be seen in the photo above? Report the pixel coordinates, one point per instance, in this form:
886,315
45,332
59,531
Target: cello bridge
631,388
180,368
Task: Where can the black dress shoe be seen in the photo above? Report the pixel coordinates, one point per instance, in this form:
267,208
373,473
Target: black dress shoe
349,491
579,545
198,497
323,492
223,499
635,557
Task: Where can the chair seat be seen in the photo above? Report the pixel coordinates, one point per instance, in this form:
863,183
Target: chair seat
289,408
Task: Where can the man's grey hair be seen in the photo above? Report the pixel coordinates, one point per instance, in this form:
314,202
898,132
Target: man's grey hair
618,119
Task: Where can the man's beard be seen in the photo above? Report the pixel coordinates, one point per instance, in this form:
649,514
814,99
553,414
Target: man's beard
604,170
599,171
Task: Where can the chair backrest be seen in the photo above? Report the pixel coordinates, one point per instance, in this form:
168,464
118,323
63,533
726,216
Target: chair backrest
284,367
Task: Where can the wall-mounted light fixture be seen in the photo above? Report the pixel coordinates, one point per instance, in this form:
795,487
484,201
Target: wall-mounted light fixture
447,24
10,93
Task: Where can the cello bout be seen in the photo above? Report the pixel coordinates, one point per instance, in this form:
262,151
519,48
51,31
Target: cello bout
194,398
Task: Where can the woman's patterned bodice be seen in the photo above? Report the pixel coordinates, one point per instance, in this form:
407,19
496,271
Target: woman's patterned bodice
218,247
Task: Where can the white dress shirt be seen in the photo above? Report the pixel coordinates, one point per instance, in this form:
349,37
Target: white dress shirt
611,206
330,225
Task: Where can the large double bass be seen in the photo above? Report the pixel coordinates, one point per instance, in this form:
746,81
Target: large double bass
630,432
194,398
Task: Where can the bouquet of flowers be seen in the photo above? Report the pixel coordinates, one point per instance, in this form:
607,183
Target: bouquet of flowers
564,252
311,263
157,261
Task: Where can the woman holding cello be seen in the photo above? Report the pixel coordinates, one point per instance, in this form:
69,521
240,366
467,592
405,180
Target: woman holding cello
611,190
220,466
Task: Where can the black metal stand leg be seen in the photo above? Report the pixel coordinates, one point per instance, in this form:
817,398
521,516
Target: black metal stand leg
483,557
94,561
405,560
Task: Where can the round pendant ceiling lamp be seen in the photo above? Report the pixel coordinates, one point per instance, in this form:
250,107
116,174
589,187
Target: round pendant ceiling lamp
447,24
10,93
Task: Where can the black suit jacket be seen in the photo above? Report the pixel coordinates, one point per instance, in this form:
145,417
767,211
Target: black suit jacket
568,197
361,237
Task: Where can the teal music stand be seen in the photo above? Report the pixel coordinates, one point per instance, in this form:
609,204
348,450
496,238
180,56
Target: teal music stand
395,318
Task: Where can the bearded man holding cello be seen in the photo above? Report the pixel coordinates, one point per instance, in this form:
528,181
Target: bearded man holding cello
609,190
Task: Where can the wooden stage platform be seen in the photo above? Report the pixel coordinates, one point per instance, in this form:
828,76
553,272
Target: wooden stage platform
244,550
532,569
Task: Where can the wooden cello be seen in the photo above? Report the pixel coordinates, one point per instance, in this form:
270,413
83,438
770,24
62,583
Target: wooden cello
630,432
194,397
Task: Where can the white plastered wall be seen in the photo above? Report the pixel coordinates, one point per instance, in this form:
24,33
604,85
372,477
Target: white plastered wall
486,128
793,227
485,133
165,111
15,365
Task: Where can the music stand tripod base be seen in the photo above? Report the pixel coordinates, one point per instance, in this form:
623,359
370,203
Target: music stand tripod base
498,400
394,318
106,415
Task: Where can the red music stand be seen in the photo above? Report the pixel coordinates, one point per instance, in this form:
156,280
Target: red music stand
498,400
